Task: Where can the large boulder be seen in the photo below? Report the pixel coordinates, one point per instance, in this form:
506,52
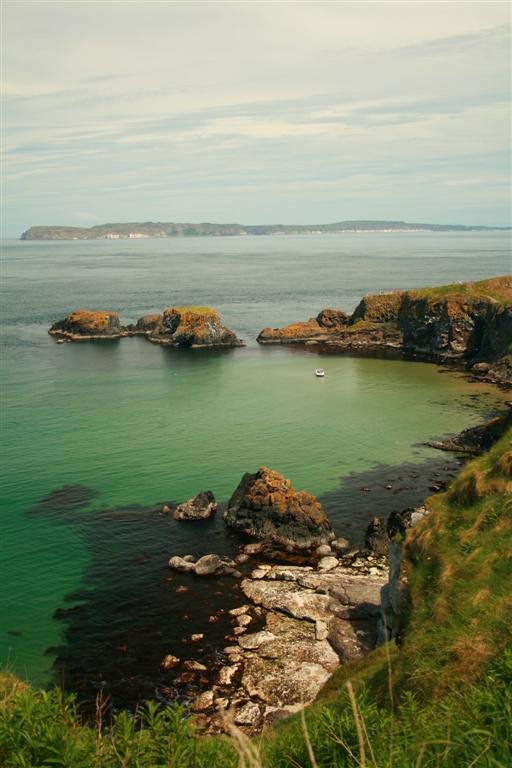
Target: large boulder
193,327
86,324
266,507
201,507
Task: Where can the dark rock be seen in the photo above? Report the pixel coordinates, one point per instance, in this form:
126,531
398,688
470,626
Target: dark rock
266,507
200,507
376,536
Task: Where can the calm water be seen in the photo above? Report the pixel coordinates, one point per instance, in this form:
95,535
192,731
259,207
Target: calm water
125,426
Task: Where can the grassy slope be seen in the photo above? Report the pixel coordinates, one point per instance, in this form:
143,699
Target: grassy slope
443,699
496,288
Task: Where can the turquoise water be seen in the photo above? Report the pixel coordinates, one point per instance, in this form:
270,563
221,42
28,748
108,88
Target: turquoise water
132,424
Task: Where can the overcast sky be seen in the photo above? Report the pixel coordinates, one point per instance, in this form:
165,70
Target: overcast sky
255,112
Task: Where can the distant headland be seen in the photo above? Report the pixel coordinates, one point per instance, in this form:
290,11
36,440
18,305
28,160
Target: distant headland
137,230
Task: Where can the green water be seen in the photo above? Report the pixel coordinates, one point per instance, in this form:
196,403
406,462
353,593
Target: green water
141,424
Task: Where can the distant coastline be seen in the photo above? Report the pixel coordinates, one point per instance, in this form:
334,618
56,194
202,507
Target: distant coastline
143,230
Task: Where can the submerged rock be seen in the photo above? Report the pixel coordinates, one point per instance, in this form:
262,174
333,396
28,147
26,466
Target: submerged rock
208,565
266,507
200,507
86,325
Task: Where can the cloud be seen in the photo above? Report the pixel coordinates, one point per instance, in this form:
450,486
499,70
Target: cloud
289,103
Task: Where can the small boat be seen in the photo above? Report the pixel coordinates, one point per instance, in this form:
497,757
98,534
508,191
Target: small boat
319,372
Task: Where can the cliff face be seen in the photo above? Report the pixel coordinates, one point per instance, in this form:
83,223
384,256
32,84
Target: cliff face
84,324
468,322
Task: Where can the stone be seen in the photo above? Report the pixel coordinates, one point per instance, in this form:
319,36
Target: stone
283,682
200,507
288,598
208,565
165,509
194,666
180,564
341,545
255,639
266,507
244,620
196,637
323,550
169,662
327,563
239,611
321,630
226,674
203,702
248,715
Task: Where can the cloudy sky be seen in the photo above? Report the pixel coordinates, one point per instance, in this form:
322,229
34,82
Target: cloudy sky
255,112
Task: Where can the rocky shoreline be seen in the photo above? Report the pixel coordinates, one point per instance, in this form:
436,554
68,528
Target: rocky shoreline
467,325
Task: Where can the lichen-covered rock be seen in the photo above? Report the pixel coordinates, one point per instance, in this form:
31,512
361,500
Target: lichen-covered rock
193,327
86,324
378,308
376,536
200,507
266,507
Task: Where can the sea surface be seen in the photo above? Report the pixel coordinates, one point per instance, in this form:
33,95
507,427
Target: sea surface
97,436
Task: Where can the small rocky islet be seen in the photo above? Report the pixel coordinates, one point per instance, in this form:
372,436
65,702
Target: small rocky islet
189,327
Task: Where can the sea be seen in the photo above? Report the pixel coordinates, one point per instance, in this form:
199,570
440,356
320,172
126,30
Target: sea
97,436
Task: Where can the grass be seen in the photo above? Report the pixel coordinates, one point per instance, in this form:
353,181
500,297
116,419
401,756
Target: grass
497,288
443,698
196,310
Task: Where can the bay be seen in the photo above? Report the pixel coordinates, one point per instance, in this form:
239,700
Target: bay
125,426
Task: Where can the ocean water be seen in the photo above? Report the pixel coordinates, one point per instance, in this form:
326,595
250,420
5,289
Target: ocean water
96,436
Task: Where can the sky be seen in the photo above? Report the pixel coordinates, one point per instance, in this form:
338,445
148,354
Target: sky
255,112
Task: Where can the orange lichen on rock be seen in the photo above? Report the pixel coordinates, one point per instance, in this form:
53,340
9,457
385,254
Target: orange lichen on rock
193,327
266,506
89,324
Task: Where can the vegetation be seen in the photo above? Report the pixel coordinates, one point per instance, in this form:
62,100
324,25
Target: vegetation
170,229
497,289
444,698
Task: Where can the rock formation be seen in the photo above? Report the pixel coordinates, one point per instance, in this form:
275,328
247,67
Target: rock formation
469,323
201,507
86,324
266,507
191,327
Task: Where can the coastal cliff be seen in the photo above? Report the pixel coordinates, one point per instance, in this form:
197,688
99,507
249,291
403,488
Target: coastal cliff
469,323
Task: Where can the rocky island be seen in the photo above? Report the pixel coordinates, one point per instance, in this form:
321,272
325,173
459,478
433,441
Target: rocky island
464,323
139,230
189,327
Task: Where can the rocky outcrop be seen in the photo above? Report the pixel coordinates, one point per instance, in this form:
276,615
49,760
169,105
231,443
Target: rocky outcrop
265,506
207,565
193,327
200,507
297,626
475,440
320,328
144,325
86,325
468,323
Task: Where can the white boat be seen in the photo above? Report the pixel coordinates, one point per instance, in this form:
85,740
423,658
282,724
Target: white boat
319,372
